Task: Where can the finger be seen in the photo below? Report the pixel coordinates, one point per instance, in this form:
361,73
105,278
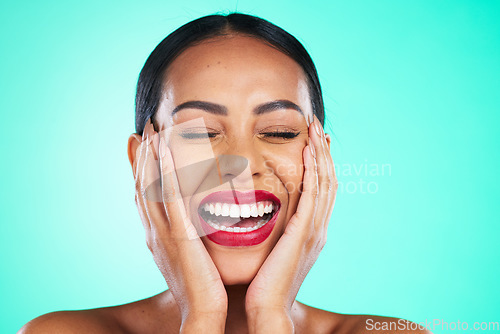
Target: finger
334,185
332,182
139,154
332,175
308,201
139,185
328,156
151,191
151,177
179,222
324,173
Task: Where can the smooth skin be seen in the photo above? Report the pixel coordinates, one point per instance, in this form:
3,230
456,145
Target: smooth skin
213,288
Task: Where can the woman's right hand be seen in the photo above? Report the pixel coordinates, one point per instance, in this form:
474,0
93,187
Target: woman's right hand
177,249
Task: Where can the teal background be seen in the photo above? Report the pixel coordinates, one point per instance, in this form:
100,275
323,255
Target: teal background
411,84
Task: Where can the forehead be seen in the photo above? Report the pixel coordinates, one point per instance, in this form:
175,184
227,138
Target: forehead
232,67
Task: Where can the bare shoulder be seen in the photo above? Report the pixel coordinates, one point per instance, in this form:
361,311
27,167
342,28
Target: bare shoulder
137,317
84,321
322,321
364,323
309,319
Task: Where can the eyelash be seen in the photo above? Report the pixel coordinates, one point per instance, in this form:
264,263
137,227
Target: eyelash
273,134
281,134
200,135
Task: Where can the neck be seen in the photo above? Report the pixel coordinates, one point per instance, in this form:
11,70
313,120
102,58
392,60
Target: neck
236,321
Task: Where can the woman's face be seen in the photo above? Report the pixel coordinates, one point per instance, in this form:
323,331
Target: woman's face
240,105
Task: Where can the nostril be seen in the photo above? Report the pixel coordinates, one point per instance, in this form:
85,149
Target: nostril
231,165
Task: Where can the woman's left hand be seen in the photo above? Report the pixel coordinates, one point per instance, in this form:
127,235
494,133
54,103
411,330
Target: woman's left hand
271,294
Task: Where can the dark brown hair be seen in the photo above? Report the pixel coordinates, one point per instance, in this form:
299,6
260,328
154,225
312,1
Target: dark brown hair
149,86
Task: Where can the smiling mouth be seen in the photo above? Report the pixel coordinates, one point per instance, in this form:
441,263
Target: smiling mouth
238,218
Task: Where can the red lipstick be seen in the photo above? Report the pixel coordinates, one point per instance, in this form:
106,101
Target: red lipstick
239,219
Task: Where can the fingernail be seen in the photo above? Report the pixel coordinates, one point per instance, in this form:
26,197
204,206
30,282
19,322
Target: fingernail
317,126
145,132
310,120
150,126
313,152
163,148
150,129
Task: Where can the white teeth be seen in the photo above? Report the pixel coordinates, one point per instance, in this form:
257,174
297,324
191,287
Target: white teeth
234,211
225,210
218,209
245,211
214,225
260,208
236,229
253,210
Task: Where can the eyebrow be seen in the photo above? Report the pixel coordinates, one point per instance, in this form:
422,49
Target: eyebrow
205,106
276,105
218,109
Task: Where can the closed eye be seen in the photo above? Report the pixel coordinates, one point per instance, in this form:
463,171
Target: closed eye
281,134
198,135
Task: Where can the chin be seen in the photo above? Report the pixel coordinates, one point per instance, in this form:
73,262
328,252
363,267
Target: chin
235,268
239,230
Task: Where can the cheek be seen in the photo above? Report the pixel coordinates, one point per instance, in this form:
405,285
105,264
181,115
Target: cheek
288,167
192,165
193,159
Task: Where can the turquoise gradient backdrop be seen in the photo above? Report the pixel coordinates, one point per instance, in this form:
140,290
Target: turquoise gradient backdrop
411,89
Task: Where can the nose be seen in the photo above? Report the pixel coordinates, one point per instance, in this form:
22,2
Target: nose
241,161
230,166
